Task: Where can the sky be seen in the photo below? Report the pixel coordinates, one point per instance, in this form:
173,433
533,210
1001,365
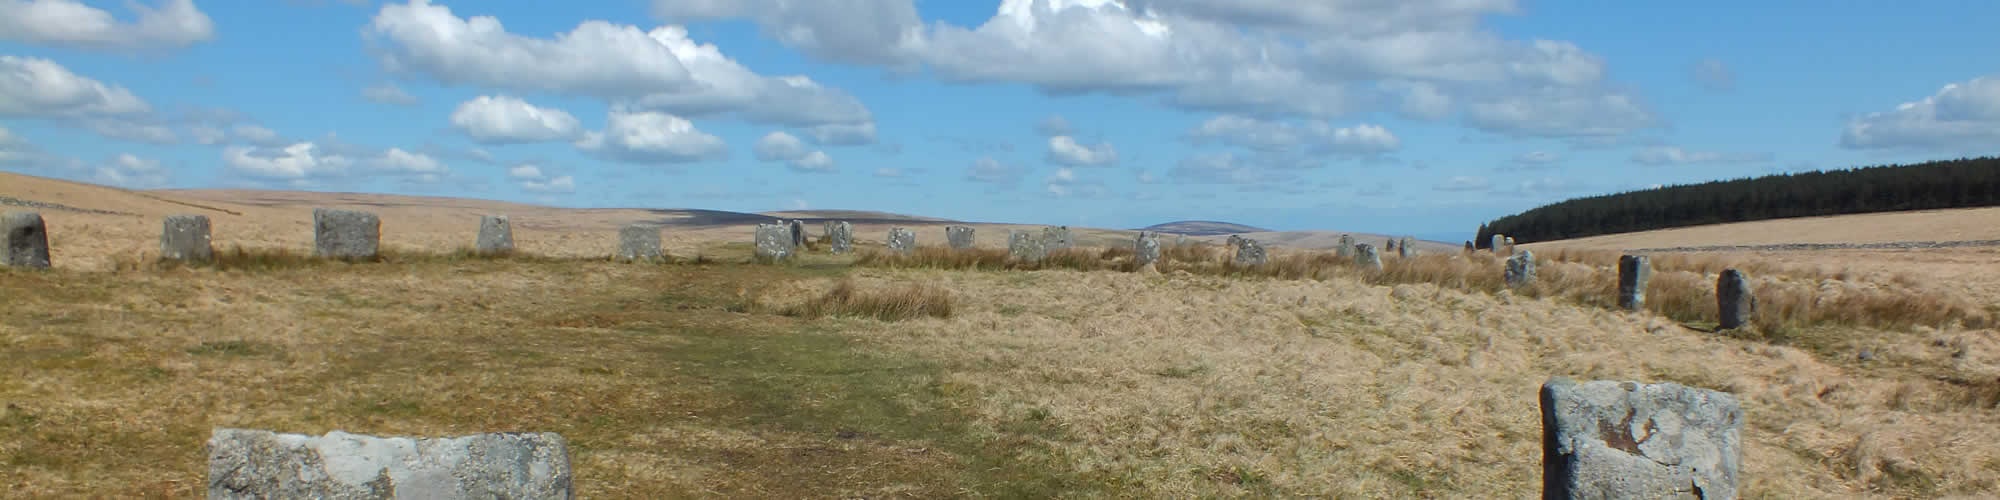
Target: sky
1422,117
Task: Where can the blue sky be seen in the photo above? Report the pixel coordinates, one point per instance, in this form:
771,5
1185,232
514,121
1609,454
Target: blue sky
1417,117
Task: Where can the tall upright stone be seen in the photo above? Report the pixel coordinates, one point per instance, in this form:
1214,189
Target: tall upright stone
496,235
1499,244
1609,439
1056,238
346,234
1024,246
774,242
1250,254
1403,248
24,240
1521,269
902,240
1345,248
959,237
1146,249
797,228
1510,245
1734,300
186,238
255,464
1468,247
1367,258
639,242
840,236
1389,245
1634,271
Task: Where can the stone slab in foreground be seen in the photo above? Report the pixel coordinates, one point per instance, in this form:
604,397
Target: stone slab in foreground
1608,439
245,464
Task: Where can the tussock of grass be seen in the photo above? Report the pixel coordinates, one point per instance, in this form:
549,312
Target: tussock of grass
894,304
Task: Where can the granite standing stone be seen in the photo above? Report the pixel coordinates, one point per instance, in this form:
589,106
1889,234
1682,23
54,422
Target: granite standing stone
24,240
1733,299
1056,238
1233,241
1607,439
1499,244
1250,254
186,238
346,234
255,464
840,236
1403,249
496,235
1146,249
1345,248
959,237
1510,245
902,240
1024,246
798,230
1468,247
774,241
639,242
1367,258
1634,271
1521,269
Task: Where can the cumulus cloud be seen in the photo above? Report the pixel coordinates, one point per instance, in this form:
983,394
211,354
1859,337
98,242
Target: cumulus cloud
1064,150
70,23
1668,155
1714,75
133,130
1064,183
1053,126
651,137
779,146
816,161
1560,113
257,135
509,120
32,87
1223,168
525,171
843,134
855,31
531,179
1313,136
388,93
399,161
207,135
297,162
1961,116
991,171
130,171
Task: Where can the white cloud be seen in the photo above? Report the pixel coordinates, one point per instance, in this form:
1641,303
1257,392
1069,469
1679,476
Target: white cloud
296,162
510,120
779,146
206,134
651,137
1556,112
1960,117
388,93
129,171
842,134
1223,168
135,131
1313,136
38,88
889,172
1461,183
70,23
1053,126
991,171
817,161
1064,150
855,31
398,161
258,135
525,171
559,185
1714,75
1667,155
1064,183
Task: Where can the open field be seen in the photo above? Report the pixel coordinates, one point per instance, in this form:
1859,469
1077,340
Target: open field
828,379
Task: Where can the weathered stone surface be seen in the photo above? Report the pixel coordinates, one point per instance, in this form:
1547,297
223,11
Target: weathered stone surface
1634,271
1733,299
840,236
639,242
959,237
346,234
1250,253
1367,258
774,241
496,235
186,238
1521,269
902,240
798,232
1499,244
1146,249
1607,439
1056,238
1025,247
1233,241
1510,245
257,464
1345,248
24,240
1403,249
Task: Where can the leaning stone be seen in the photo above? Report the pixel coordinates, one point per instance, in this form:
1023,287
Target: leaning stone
1366,257
24,240
959,237
774,241
186,238
798,233
1606,439
1250,254
247,464
840,236
1345,249
1521,269
1403,249
1499,243
1025,247
346,234
639,242
902,240
1056,238
1734,300
496,235
1633,273
1146,249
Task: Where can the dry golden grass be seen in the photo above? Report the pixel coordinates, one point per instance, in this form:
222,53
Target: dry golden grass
899,303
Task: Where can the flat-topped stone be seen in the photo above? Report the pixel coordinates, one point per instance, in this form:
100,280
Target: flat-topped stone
1367,258
1403,248
840,236
256,464
902,240
496,235
1499,244
959,237
24,240
1024,246
639,242
1345,248
1249,254
186,238
1609,439
774,241
1056,238
346,234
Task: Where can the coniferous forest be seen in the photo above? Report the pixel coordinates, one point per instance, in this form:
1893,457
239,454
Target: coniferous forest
1961,183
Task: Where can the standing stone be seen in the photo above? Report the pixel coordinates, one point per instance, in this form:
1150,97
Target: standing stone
24,240
1233,241
1345,249
1499,242
496,235
346,234
774,241
186,238
1633,273
1468,247
639,242
1056,238
1146,249
1734,301
1025,247
840,235
1249,253
1180,240
798,230
959,237
1607,439
1510,245
902,241
1521,269
1403,249
254,464
1366,257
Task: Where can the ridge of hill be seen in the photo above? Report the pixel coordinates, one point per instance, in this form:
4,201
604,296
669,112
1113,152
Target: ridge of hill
1203,228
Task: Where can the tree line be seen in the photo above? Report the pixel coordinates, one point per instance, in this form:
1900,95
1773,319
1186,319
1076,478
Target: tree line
1960,183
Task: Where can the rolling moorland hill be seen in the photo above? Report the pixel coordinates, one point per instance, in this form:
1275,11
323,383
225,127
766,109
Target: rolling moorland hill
1203,228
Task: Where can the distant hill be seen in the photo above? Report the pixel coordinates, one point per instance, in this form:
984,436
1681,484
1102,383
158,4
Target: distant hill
1202,228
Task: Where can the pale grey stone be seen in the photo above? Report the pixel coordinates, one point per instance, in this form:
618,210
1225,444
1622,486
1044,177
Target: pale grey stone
1608,439
1499,244
1024,246
24,240
1249,253
774,241
346,234
186,238
1734,300
1056,238
256,464
1344,249
797,228
840,236
1510,245
1367,258
1234,241
1403,248
639,242
496,235
1146,249
902,240
1521,269
959,237
1634,271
